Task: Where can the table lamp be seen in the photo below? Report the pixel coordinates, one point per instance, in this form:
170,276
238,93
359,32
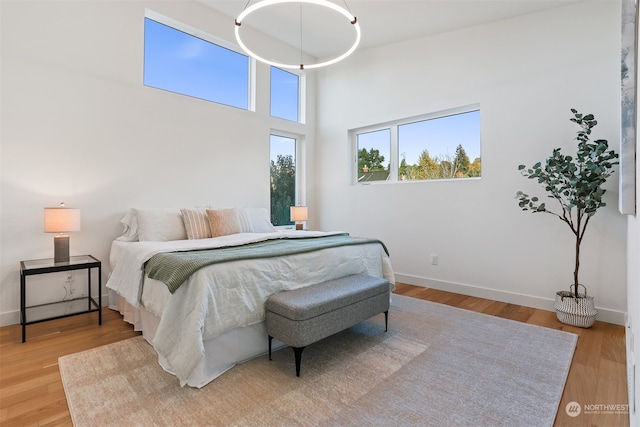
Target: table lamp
299,214
61,220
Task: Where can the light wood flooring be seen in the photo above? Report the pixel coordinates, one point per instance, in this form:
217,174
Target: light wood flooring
31,392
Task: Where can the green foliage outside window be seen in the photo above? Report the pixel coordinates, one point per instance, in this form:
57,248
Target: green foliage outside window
370,160
440,167
283,189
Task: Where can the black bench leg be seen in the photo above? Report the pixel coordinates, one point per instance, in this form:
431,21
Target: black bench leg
297,351
386,321
270,339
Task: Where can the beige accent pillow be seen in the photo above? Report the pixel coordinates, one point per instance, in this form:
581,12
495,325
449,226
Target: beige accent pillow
223,222
196,222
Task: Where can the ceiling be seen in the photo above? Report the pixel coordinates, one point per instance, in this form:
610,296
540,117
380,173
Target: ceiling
327,34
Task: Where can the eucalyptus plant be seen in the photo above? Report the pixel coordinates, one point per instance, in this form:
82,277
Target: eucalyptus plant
575,183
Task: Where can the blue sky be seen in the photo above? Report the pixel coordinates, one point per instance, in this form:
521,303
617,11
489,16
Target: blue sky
281,145
185,64
182,63
440,137
285,91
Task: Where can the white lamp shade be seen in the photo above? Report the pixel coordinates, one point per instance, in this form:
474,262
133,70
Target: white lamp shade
299,213
61,220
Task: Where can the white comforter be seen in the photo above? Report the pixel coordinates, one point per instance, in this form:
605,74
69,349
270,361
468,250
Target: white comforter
221,297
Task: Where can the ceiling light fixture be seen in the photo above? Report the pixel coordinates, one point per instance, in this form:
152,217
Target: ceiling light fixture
265,3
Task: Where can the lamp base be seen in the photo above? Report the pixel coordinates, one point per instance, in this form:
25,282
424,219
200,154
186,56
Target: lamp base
61,248
298,226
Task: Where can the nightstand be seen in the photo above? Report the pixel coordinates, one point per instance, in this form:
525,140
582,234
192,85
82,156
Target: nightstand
44,266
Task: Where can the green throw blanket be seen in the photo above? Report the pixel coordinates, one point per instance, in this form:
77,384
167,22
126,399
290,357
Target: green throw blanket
173,268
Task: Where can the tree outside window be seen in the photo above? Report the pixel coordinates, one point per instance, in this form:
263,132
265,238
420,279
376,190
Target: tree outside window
373,155
283,178
435,140
443,145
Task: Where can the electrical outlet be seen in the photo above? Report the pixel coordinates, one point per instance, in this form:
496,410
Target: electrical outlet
68,286
434,259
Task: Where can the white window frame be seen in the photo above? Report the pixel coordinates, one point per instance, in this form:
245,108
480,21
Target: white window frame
177,25
394,160
302,94
301,178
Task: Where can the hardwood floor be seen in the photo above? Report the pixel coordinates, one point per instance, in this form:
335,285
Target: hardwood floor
31,390
598,371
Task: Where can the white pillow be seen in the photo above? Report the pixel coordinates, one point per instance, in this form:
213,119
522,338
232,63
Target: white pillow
130,227
245,223
160,224
259,220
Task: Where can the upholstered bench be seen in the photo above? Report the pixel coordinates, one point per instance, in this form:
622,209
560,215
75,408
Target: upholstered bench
303,316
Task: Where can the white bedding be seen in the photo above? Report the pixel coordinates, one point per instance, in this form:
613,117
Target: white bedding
128,273
221,297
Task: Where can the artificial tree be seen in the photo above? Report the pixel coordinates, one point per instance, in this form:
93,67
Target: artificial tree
576,183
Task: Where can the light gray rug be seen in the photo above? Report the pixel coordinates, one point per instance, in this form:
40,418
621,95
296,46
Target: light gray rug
437,366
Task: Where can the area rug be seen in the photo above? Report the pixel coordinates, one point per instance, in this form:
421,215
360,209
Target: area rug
436,366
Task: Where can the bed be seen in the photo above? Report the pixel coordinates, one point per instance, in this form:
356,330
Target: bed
195,280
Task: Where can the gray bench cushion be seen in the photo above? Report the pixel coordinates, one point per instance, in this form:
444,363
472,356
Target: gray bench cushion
303,316
309,302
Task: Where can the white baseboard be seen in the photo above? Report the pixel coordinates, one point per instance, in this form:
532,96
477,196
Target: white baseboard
10,318
604,314
631,370
13,317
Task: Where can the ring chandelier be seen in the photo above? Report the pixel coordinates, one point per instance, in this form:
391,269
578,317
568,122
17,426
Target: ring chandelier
265,3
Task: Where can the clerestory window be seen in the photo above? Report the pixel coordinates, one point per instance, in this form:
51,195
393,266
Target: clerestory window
285,95
178,60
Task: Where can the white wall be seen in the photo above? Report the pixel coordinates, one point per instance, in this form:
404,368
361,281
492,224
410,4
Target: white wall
633,321
526,73
633,291
79,126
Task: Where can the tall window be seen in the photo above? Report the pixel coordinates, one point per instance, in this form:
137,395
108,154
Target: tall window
444,145
180,62
285,95
283,178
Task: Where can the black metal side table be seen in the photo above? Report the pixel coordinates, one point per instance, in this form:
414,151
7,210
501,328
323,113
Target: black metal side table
44,266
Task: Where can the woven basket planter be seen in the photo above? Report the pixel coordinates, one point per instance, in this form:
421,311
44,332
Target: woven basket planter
580,312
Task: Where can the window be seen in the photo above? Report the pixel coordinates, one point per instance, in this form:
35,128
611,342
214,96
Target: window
373,155
444,145
283,178
285,94
180,62
437,148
